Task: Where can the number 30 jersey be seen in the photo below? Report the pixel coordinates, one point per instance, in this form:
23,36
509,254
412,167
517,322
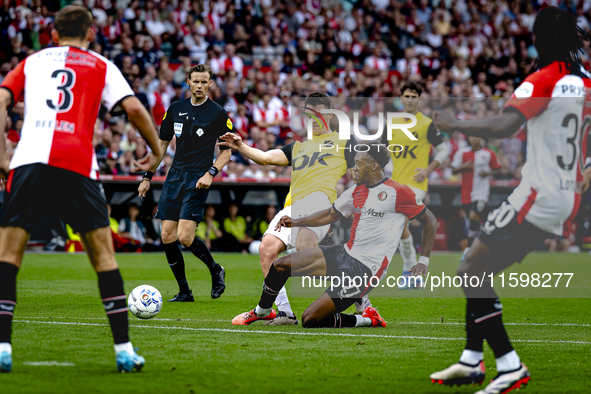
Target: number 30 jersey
557,106
63,88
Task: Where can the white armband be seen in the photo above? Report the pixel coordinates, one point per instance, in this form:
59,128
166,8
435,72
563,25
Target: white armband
424,260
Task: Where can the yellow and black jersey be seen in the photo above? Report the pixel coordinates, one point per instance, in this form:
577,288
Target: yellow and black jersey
318,164
409,155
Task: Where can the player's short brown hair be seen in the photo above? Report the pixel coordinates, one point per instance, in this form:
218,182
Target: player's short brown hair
73,21
411,85
318,98
200,68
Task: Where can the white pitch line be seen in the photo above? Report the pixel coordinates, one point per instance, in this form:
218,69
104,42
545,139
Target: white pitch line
48,364
389,322
104,318
507,324
293,333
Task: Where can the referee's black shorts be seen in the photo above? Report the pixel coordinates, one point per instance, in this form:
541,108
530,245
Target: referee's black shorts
180,199
37,189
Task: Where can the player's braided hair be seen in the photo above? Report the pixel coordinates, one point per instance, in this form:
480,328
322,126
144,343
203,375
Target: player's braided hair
558,38
318,98
378,152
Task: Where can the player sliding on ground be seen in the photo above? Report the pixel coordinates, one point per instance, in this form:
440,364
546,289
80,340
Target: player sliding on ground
380,207
54,169
314,178
555,103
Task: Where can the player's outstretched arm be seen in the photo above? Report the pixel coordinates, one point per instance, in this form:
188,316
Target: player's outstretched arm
497,126
429,223
317,219
274,157
5,100
140,118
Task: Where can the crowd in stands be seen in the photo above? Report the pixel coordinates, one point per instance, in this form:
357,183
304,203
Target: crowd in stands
264,52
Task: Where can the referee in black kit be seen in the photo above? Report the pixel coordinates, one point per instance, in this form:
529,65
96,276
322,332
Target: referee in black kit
197,123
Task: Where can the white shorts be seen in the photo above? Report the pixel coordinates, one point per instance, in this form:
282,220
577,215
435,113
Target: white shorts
419,193
313,202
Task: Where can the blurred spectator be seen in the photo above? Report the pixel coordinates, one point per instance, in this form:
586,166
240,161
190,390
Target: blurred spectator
154,227
236,238
262,223
111,165
209,229
131,228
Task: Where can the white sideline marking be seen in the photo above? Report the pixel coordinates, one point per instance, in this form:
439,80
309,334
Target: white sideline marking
389,322
293,333
104,318
507,324
48,364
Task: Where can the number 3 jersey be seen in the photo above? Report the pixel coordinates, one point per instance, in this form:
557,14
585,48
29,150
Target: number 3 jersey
63,88
379,215
556,103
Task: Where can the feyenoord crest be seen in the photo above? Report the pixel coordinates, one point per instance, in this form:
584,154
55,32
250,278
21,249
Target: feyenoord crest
382,196
178,129
199,132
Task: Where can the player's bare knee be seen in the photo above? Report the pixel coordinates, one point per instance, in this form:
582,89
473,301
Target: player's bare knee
309,319
283,264
186,239
267,253
168,237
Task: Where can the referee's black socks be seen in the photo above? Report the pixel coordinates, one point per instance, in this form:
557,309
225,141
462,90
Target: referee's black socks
7,299
199,249
176,262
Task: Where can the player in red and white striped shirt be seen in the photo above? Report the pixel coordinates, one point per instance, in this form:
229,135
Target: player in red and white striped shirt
556,103
380,209
54,169
477,164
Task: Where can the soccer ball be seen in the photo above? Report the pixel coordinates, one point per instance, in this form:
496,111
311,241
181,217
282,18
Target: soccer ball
145,302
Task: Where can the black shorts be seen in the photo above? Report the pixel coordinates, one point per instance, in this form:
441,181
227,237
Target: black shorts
476,206
37,189
341,264
180,199
507,238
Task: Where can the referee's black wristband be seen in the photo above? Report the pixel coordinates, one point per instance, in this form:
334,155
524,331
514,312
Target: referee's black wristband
213,171
148,175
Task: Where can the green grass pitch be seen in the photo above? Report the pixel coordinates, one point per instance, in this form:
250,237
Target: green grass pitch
62,343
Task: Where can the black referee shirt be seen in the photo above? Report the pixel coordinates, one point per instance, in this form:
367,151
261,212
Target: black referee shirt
197,128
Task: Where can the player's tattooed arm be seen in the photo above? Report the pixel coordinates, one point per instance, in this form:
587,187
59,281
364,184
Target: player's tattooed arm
317,219
429,223
497,126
